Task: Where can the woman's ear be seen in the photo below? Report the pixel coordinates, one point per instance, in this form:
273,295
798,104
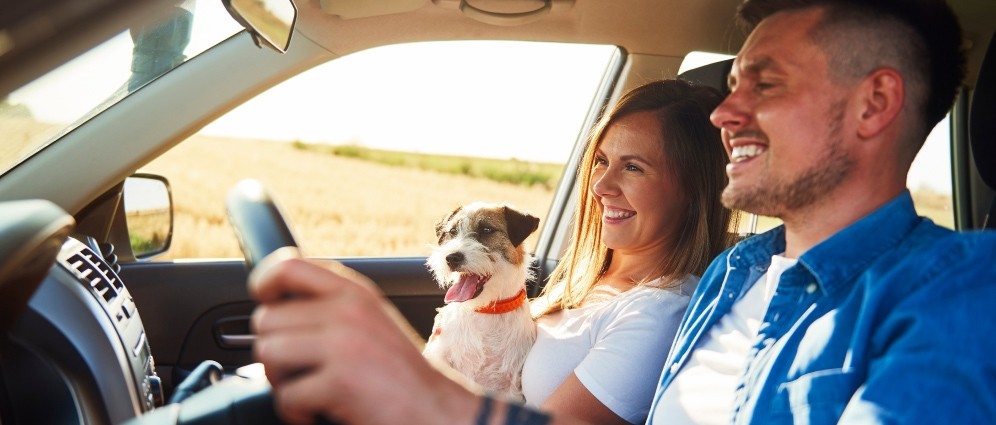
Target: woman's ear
882,94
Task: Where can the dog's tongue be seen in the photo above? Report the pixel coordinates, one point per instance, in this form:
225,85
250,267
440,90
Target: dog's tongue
468,287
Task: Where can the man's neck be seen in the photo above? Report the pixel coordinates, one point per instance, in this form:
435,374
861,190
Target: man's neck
807,227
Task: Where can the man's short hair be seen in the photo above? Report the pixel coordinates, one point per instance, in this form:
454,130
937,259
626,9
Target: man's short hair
920,38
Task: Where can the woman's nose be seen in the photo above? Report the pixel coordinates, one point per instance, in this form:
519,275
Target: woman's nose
603,183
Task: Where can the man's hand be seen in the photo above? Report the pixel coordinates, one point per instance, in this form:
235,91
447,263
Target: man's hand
332,345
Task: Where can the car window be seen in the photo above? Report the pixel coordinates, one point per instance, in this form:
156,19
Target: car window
40,112
930,179
366,153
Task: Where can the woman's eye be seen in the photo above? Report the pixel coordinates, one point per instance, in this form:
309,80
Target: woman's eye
600,161
632,167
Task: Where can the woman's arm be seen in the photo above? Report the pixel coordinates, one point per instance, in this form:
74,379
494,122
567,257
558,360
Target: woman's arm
572,399
616,379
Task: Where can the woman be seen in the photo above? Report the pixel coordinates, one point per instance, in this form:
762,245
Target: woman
648,222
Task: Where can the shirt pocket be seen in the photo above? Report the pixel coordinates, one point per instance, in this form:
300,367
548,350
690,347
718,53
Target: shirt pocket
816,397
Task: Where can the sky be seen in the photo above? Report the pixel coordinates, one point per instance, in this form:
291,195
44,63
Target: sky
529,99
526,98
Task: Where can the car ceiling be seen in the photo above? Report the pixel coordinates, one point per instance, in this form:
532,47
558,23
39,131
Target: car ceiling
668,28
653,27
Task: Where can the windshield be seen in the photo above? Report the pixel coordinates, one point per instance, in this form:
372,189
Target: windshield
39,113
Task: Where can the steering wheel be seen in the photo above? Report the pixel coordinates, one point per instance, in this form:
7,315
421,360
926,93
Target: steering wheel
260,229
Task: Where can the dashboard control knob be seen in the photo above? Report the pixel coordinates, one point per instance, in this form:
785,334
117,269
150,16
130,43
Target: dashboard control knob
156,390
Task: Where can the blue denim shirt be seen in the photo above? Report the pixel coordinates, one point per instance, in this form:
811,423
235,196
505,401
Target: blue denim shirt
890,320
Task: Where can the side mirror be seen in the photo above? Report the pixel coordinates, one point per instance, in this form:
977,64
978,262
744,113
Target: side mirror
148,207
269,21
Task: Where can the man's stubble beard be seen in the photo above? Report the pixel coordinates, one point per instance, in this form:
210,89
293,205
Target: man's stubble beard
775,198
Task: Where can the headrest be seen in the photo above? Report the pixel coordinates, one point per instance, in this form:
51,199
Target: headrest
711,75
982,118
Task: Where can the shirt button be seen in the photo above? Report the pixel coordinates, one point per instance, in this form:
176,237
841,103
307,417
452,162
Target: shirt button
729,295
811,288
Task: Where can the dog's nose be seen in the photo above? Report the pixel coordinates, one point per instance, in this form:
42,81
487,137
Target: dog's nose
454,259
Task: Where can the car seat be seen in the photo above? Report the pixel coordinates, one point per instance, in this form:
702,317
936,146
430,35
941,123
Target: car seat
982,126
715,75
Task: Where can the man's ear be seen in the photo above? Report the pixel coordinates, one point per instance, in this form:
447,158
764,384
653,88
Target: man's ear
882,94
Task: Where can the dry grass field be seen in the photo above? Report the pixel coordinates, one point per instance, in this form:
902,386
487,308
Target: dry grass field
345,207
336,206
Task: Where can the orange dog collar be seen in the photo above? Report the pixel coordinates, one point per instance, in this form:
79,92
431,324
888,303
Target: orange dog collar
504,306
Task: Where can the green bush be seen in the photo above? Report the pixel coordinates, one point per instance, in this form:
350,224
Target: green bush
513,171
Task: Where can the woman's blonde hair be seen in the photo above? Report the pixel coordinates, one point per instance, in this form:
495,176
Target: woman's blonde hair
695,156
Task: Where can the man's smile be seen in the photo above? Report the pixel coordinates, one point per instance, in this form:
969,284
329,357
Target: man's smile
745,152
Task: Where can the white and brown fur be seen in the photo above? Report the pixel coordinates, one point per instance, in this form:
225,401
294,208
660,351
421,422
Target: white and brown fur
489,349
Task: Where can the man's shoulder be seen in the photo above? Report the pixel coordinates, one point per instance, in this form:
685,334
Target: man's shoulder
931,241
932,254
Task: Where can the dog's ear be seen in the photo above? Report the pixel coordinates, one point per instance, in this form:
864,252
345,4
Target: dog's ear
520,225
442,223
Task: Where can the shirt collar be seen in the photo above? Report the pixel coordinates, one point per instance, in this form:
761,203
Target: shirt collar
838,259
835,261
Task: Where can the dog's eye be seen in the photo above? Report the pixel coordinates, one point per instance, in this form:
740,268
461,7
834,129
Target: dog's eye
487,230
452,231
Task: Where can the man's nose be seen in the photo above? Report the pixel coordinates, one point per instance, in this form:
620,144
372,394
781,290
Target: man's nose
732,114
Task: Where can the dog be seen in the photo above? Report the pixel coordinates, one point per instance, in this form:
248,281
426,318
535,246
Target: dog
485,329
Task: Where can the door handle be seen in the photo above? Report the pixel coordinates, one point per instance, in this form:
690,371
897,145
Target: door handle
234,332
237,341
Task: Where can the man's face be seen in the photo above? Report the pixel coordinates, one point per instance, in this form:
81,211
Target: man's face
783,122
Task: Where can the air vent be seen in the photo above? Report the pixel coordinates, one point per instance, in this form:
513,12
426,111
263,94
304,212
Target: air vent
93,270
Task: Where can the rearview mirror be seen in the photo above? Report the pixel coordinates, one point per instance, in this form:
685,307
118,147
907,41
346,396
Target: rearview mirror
149,213
268,21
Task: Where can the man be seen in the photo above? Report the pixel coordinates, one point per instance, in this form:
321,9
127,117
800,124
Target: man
856,310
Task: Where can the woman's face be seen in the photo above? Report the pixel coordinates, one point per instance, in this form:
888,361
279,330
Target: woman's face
642,207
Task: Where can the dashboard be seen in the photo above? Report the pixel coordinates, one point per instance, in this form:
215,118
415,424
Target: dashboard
77,352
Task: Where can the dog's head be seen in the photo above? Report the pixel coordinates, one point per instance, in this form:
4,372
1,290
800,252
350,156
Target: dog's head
480,253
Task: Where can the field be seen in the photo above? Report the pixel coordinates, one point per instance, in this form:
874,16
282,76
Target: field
337,206
500,170
340,205
354,202
147,230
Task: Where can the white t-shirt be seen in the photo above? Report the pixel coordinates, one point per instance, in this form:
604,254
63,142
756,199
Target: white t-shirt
616,348
704,390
